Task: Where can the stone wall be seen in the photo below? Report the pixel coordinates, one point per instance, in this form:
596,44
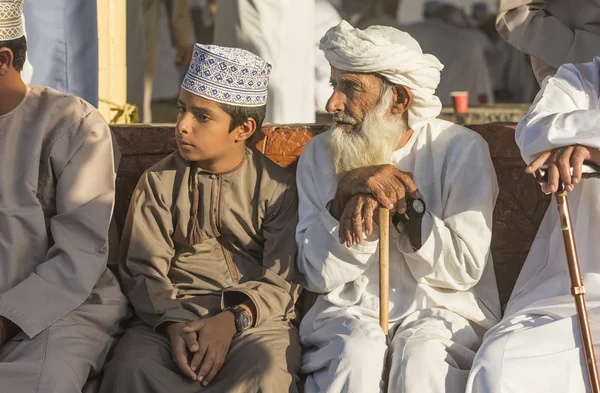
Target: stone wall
519,208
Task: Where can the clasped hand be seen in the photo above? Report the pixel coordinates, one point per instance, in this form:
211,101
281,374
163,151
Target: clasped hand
560,161
359,194
207,341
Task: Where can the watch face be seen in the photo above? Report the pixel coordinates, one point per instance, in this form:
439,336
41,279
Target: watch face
418,206
242,320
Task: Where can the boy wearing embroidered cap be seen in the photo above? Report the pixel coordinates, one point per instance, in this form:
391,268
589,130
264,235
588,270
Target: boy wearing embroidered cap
60,306
208,252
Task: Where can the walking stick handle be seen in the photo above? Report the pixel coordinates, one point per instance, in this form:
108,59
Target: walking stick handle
384,268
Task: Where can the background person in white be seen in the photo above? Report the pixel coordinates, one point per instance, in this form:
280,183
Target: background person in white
537,346
443,292
283,33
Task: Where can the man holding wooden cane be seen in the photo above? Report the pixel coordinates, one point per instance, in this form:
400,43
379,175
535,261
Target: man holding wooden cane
537,347
436,178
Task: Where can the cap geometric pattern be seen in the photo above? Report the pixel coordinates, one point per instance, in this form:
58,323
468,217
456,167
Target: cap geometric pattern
11,20
228,75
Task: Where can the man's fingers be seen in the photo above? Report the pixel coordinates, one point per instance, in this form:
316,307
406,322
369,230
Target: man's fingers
344,230
207,364
357,219
214,370
191,340
198,356
194,326
564,167
179,355
580,154
369,215
409,184
553,178
538,162
401,203
382,198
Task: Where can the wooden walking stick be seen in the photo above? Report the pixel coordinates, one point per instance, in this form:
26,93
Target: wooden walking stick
577,289
384,268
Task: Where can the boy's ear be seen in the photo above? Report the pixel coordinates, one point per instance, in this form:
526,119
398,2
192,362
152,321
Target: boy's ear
246,130
6,61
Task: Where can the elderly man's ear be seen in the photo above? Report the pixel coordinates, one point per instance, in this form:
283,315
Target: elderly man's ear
402,99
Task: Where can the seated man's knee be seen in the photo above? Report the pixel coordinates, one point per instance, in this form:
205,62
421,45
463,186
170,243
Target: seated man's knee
423,351
128,365
59,375
360,349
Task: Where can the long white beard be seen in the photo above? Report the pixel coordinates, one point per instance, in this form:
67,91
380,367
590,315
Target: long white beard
373,144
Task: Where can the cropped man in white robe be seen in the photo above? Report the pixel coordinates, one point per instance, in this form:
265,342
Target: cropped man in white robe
552,32
443,294
60,307
537,345
282,33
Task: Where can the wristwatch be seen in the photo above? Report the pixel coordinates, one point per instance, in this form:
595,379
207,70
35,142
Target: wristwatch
415,208
243,318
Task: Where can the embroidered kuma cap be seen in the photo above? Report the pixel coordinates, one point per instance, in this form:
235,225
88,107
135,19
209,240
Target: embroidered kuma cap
228,75
11,20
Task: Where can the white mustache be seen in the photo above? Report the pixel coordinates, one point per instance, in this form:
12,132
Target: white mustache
341,118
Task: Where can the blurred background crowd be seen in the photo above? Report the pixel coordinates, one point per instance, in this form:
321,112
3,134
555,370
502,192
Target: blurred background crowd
161,34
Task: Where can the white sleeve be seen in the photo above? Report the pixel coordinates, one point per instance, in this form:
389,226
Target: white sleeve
325,263
456,247
560,115
85,192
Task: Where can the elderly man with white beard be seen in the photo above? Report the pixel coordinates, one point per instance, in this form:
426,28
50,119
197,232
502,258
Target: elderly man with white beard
388,149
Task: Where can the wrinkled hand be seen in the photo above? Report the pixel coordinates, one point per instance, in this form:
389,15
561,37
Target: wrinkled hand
359,214
386,183
184,55
560,161
7,330
214,338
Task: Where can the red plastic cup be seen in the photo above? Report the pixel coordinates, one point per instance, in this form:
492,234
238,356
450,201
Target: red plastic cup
460,101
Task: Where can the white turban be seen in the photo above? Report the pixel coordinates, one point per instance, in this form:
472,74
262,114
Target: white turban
393,54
